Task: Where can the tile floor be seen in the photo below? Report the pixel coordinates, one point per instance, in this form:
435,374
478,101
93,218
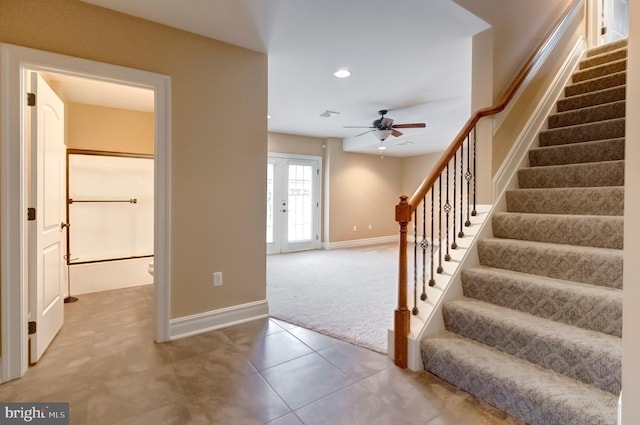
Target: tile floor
105,364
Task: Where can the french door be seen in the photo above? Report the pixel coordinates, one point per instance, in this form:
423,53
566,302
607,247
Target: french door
293,203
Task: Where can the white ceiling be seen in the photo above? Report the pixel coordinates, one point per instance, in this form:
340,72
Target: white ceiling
412,57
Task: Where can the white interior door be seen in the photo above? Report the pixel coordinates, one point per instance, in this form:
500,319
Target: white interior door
46,236
293,204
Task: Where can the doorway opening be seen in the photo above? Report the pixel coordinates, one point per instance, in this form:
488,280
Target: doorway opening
16,64
293,203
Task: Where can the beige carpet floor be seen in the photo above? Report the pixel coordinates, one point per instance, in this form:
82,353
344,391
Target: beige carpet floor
349,294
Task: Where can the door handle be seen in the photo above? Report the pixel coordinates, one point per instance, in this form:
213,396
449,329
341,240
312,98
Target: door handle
63,225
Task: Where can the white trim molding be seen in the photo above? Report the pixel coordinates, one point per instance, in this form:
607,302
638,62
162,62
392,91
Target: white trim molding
217,319
356,243
15,62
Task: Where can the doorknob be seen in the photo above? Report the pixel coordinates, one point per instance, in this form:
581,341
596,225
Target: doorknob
63,225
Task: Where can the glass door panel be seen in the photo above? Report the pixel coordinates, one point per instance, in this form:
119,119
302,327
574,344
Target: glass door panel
292,204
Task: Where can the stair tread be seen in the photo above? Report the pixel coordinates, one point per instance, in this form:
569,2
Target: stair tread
588,114
592,98
604,231
601,173
597,130
597,266
607,200
578,153
600,70
555,246
606,56
543,327
594,84
589,306
589,356
527,391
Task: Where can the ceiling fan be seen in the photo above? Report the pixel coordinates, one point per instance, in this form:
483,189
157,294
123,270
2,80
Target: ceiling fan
383,127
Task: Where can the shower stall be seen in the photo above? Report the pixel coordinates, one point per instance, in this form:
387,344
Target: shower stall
110,212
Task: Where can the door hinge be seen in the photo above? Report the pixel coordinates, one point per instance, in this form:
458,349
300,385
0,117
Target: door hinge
317,171
32,328
31,99
31,214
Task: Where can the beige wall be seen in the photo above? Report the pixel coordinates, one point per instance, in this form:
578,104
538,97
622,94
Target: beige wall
526,104
517,27
631,319
219,109
360,190
415,169
293,144
108,129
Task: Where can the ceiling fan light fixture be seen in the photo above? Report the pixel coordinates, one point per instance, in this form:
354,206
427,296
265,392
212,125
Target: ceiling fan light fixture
329,114
342,73
382,148
382,134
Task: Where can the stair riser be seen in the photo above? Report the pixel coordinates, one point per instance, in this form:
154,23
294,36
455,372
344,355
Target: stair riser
600,368
599,71
578,153
590,201
596,174
603,268
602,83
612,56
578,305
586,100
602,130
588,115
595,231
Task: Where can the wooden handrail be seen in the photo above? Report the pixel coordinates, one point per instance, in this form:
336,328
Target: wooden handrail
407,206
428,182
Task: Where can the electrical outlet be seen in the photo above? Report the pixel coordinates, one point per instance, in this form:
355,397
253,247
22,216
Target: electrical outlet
370,226
217,279
355,228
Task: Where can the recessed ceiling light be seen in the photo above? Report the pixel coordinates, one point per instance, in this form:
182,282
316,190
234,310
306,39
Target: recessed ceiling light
268,116
342,73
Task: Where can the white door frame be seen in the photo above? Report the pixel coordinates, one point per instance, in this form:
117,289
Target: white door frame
15,61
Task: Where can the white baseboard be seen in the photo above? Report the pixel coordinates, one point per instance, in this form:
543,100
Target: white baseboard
217,319
360,242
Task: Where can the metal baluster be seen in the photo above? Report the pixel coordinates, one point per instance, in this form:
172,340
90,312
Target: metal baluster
475,176
432,281
447,210
424,244
454,245
440,269
467,177
414,310
461,233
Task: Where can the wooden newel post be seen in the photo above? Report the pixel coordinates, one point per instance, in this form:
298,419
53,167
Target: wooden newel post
402,315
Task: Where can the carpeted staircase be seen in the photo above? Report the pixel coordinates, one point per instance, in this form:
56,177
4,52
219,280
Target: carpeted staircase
538,332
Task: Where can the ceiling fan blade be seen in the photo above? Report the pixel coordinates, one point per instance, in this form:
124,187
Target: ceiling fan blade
357,126
396,133
412,125
357,135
